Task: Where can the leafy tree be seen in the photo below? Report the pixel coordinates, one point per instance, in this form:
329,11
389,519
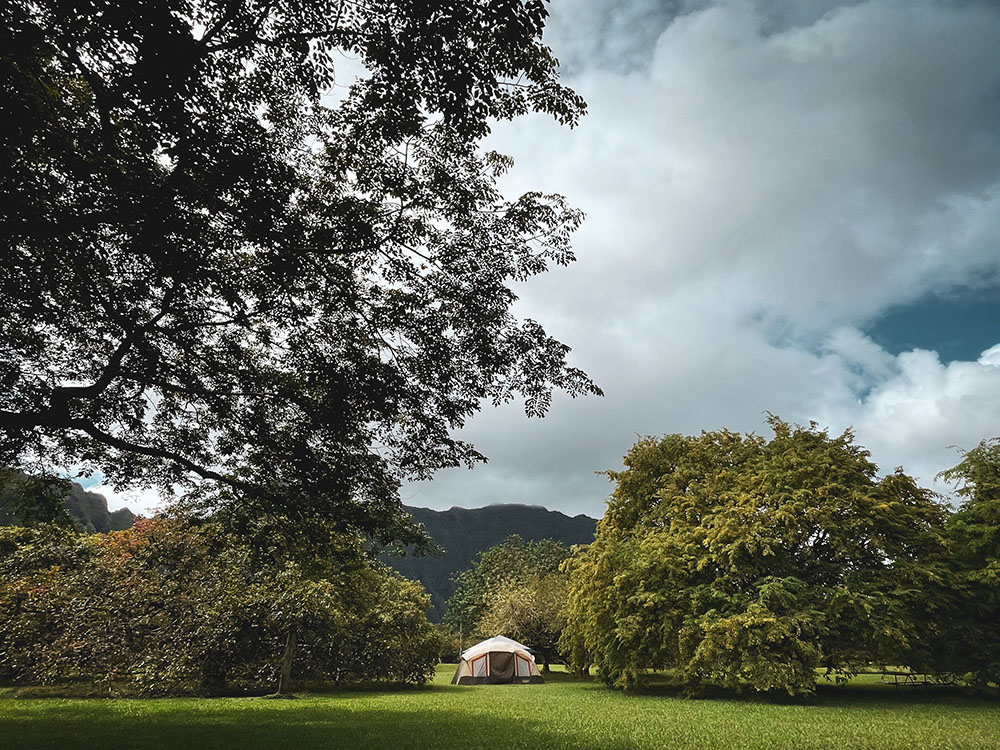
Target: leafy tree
974,530
221,277
172,606
531,611
744,562
30,500
449,642
506,576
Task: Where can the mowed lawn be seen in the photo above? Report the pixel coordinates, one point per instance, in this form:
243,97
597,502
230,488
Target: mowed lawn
560,714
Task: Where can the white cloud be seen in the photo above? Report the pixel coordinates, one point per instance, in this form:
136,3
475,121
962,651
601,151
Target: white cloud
916,415
991,356
142,501
759,185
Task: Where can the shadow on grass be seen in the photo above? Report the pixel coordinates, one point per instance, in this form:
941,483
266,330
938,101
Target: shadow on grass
568,715
871,694
249,724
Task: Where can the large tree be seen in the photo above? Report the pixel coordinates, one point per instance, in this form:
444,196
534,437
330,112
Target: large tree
747,562
231,267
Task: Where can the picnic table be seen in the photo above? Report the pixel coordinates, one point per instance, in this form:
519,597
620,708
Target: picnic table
902,679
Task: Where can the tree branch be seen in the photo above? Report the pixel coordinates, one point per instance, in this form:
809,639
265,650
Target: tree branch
100,98
100,435
282,39
62,395
166,385
49,418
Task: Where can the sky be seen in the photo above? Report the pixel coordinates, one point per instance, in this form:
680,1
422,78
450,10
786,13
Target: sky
792,207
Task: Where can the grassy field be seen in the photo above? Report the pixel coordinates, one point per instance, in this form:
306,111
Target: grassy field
560,714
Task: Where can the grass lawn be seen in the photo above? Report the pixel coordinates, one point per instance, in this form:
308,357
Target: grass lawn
560,714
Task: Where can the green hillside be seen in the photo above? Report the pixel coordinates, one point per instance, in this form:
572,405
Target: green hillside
465,532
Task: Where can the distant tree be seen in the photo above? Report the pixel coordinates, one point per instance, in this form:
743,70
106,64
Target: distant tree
532,611
449,643
505,577
749,563
974,530
223,275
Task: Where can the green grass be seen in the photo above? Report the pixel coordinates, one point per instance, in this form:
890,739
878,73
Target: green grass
560,714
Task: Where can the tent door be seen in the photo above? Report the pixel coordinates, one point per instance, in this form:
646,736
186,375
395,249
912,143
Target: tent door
523,667
479,666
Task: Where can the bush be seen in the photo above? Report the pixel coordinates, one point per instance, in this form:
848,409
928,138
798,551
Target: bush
174,606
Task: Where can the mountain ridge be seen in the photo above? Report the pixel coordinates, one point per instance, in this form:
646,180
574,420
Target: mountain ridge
89,510
463,533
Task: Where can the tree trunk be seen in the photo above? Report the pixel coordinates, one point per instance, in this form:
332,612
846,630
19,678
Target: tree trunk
285,679
213,674
544,653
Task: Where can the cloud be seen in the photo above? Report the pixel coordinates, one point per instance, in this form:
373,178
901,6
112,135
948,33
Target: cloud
141,501
928,407
761,180
991,356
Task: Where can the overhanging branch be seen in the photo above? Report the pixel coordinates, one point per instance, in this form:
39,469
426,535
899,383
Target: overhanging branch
28,420
107,438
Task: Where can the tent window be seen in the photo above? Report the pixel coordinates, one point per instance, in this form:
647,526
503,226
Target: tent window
523,667
479,666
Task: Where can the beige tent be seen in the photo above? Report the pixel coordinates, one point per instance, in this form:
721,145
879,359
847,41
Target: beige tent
496,660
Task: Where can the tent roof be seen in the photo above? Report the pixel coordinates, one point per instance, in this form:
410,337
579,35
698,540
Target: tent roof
496,643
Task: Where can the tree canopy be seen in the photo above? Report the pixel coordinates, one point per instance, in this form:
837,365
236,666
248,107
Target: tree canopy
172,606
27,500
532,611
746,562
517,589
233,269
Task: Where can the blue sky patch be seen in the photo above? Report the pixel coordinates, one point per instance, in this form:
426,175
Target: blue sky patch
957,326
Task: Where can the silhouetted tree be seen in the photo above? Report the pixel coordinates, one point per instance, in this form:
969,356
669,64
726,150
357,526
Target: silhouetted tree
222,263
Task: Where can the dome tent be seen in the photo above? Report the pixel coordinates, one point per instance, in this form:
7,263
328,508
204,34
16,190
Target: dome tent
496,660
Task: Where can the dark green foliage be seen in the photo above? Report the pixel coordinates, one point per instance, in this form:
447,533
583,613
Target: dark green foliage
26,500
974,531
463,533
30,500
169,606
212,272
745,562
